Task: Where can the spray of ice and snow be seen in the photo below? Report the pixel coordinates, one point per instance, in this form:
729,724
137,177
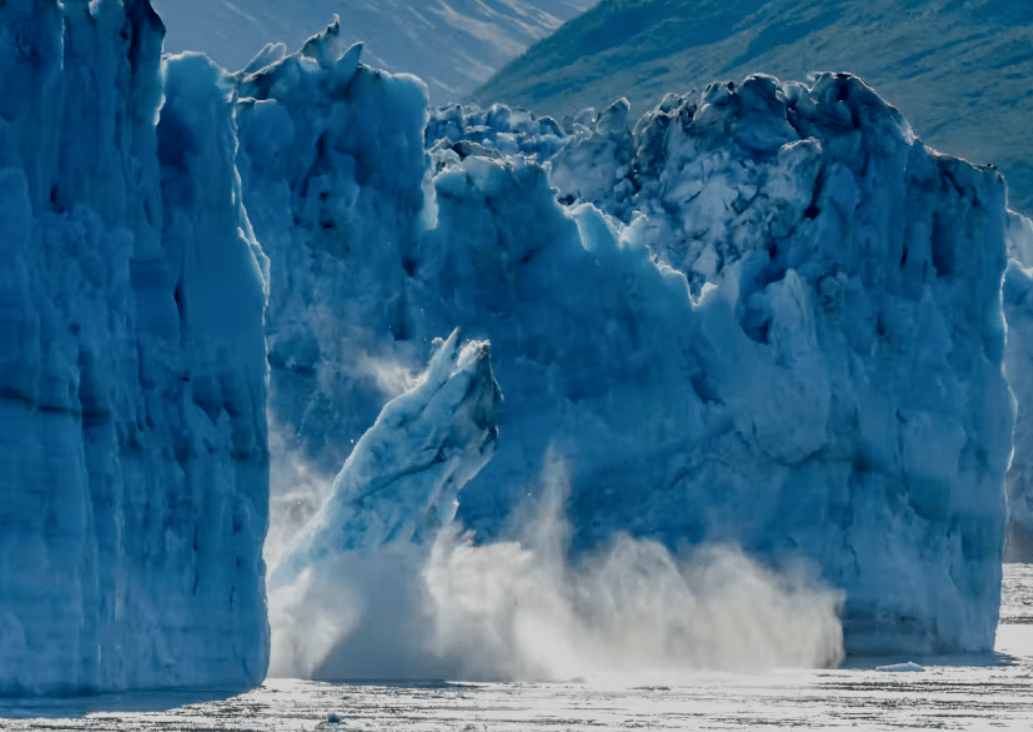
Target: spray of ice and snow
384,584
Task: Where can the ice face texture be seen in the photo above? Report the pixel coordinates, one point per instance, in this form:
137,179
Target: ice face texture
590,167
1018,309
749,186
769,316
134,490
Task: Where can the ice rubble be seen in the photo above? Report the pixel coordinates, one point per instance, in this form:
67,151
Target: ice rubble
133,500
768,316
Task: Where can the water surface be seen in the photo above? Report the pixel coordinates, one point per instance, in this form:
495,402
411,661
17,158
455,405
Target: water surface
958,693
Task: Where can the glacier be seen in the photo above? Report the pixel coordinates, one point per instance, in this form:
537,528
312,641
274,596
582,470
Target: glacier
134,495
767,316
594,148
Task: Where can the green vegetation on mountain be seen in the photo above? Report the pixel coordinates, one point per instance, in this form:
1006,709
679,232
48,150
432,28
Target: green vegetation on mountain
960,70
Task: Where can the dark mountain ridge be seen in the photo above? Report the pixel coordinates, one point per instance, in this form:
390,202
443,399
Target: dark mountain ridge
960,70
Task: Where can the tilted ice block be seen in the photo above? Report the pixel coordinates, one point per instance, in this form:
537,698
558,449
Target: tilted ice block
133,495
401,481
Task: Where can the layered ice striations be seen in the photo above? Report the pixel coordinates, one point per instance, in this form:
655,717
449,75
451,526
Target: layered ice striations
766,316
133,500
1018,310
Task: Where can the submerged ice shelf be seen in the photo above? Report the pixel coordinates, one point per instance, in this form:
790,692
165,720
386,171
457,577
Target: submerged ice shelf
767,317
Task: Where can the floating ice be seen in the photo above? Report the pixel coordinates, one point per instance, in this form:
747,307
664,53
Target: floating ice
901,668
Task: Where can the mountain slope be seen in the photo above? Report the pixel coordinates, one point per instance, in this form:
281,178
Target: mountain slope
960,70
452,46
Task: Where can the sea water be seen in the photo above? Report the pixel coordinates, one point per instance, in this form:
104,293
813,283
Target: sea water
958,693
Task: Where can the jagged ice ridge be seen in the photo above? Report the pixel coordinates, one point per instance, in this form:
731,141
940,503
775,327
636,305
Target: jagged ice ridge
626,169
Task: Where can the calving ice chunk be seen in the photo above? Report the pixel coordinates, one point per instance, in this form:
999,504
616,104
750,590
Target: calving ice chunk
401,482
383,583
347,597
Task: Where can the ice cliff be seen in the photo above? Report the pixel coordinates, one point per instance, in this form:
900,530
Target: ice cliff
134,489
1018,309
768,316
586,154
